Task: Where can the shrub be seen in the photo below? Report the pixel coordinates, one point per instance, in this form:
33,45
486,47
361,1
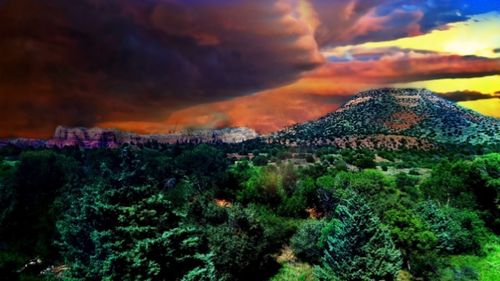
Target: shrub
307,243
265,186
458,231
310,158
260,160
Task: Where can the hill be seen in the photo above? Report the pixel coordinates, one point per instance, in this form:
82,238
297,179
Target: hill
394,118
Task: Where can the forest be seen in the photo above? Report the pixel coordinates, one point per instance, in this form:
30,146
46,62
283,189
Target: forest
249,212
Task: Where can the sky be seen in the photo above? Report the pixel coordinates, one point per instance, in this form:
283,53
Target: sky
157,66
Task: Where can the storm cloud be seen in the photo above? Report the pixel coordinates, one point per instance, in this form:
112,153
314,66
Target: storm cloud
78,62
459,96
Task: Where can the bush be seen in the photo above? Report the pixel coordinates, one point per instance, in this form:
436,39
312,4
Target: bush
265,186
458,231
243,246
307,243
414,238
298,272
260,160
310,158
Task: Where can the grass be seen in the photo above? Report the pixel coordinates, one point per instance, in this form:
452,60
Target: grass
295,272
469,267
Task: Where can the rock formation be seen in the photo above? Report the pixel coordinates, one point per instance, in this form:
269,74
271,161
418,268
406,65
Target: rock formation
112,138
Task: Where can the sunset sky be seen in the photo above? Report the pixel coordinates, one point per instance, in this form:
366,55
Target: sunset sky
154,66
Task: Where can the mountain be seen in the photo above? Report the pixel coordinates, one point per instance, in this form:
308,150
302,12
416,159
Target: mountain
394,118
382,118
111,138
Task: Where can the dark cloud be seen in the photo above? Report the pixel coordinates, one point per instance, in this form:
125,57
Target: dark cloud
362,21
335,98
458,96
377,20
128,60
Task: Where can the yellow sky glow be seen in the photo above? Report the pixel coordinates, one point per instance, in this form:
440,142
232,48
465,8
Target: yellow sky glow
488,107
487,84
478,36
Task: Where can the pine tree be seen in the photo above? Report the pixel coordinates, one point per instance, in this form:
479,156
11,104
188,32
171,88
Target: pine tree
358,246
130,233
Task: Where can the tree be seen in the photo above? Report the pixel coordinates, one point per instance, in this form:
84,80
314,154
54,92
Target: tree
365,162
31,189
457,230
204,163
298,194
7,192
469,184
326,182
310,158
446,184
130,233
415,239
372,185
484,181
409,185
358,247
243,240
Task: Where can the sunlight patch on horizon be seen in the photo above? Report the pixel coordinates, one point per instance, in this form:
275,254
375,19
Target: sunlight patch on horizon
487,107
486,84
478,36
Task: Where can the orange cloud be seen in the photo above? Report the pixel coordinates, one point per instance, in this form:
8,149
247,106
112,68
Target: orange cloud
320,92
409,66
265,112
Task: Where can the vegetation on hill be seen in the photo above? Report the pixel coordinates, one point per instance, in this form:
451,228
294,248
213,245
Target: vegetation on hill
394,118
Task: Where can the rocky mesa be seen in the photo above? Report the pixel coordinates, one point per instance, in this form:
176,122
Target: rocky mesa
112,138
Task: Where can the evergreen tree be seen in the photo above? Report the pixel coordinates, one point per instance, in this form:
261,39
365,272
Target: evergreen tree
358,246
130,233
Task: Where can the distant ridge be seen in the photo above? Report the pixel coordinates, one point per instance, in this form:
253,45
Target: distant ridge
394,118
112,138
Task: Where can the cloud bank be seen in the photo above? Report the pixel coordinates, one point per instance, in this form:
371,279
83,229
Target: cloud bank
88,62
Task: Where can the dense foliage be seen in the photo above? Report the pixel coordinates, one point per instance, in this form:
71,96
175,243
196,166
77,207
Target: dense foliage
191,212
